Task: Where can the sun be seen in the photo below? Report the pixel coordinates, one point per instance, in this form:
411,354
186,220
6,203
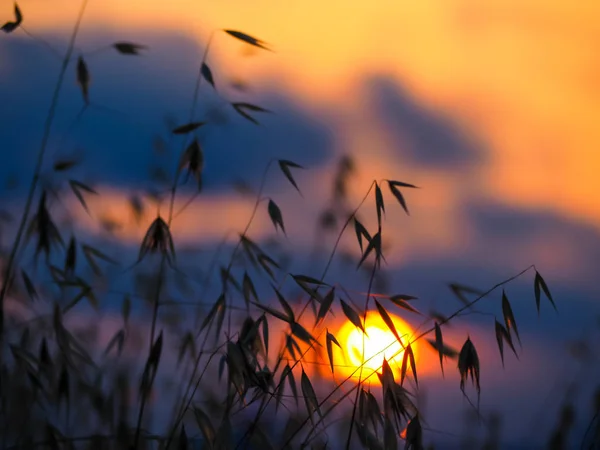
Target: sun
379,343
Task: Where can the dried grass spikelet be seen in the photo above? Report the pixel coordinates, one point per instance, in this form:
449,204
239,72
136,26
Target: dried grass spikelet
192,159
157,238
43,225
468,364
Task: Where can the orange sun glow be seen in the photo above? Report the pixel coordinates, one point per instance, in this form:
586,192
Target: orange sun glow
379,342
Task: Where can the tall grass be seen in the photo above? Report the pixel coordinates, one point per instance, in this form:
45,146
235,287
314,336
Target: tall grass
220,381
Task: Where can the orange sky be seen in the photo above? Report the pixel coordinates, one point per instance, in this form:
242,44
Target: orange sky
522,78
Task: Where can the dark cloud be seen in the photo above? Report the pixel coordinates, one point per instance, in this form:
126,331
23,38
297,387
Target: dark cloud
241,149
421,135
506,221
511,229
131,95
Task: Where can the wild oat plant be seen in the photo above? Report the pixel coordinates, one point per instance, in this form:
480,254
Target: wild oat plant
226,368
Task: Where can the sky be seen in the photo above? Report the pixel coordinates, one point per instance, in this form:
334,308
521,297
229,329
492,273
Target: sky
488,108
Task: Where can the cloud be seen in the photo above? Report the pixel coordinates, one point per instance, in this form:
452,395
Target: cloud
566,249
130,98
422,136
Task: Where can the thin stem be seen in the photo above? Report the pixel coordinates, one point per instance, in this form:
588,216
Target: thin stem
589,429
339,238
323,275
38,166
207,276
156,303
363,353
200,76
181,409
227,272
98,50
172,205
185,406
186,204
470,304
371,278
42,41
244,233
169,221
339,385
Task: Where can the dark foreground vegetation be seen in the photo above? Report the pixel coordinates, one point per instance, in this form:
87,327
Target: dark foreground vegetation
243,356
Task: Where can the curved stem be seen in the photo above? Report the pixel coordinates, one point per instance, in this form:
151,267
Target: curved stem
589,429
349,438
38,166
470,304
259,199
42,41
323,275
187,394
339,385
200,77
171,216
169,221
372,277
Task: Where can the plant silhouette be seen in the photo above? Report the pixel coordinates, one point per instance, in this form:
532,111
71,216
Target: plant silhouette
218,379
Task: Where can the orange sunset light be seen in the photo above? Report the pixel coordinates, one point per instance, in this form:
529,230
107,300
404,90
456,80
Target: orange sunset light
379,342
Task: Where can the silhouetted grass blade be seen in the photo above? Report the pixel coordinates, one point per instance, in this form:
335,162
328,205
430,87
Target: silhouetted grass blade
128,48
399,197
501,336
379,203
247,39
509,318
78,187
310,398
9,27
285,165
414,434
361,231
468,364
439,343
388,321
207,74
83,79
248,289
205,425
187,128
408,356
272,312
64,164
352,315
286,306
275,215
539,286
29,286
331,339
325,305
243,108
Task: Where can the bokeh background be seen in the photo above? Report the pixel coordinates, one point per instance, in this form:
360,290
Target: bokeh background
489,107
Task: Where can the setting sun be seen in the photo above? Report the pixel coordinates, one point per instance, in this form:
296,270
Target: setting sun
379,342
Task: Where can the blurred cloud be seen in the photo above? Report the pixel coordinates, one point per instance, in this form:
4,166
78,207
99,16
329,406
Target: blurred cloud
567,250
490,109
421,136
116,134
